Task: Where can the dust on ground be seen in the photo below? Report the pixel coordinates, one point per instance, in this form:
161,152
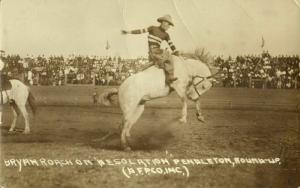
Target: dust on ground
72,132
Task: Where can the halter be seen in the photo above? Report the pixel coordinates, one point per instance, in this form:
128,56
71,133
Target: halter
202,79
196,84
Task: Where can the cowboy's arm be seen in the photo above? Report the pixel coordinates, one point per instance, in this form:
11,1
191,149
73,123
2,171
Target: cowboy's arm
136,31
172,46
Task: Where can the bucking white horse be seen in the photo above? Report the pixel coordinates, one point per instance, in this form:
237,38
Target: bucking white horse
194,79
17,96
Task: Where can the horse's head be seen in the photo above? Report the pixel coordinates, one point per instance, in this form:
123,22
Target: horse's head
197,86
199,78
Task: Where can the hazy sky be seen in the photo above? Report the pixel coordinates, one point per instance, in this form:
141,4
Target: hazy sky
83,26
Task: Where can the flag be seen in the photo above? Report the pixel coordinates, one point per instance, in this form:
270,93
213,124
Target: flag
262,42
107,45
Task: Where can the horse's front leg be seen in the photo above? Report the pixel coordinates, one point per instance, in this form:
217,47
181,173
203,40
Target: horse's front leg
199,115
180,90
184,110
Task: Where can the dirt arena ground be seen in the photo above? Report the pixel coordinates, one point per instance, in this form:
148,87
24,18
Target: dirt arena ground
72,132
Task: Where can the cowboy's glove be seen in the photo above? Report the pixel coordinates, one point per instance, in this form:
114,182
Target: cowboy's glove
176,53
124,32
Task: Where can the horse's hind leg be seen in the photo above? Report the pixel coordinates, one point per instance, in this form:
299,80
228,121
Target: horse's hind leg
135,116
15,114
129,121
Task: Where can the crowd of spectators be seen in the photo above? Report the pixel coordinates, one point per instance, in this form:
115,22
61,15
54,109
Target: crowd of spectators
254,71
260,71
58,70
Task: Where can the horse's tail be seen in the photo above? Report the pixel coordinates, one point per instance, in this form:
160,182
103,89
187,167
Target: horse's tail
105,97
31,101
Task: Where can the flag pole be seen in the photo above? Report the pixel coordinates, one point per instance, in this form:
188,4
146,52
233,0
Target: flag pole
262,42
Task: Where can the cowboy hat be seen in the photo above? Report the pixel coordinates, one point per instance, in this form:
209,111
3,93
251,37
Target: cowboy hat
166,18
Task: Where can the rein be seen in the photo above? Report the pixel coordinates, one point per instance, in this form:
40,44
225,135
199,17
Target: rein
203,77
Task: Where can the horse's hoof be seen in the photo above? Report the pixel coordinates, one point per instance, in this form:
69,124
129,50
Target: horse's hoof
201,118
127,149
26,132
12,132
182,120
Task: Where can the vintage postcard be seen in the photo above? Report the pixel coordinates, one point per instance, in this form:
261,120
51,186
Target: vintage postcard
161,93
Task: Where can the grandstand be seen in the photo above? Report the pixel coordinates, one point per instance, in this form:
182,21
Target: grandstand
251,71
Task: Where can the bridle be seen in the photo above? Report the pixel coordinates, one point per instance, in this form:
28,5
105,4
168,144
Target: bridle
199,82
196,84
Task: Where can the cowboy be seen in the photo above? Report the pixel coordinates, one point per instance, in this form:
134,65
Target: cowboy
4,81
1,77
157,34
1,102
5,84
1,65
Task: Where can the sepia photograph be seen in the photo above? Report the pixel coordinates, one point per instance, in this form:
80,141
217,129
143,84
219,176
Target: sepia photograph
139,93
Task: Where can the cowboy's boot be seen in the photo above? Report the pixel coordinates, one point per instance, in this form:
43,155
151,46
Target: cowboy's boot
169,71
169,78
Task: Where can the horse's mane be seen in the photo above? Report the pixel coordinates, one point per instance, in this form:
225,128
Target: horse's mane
199,54
202,55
